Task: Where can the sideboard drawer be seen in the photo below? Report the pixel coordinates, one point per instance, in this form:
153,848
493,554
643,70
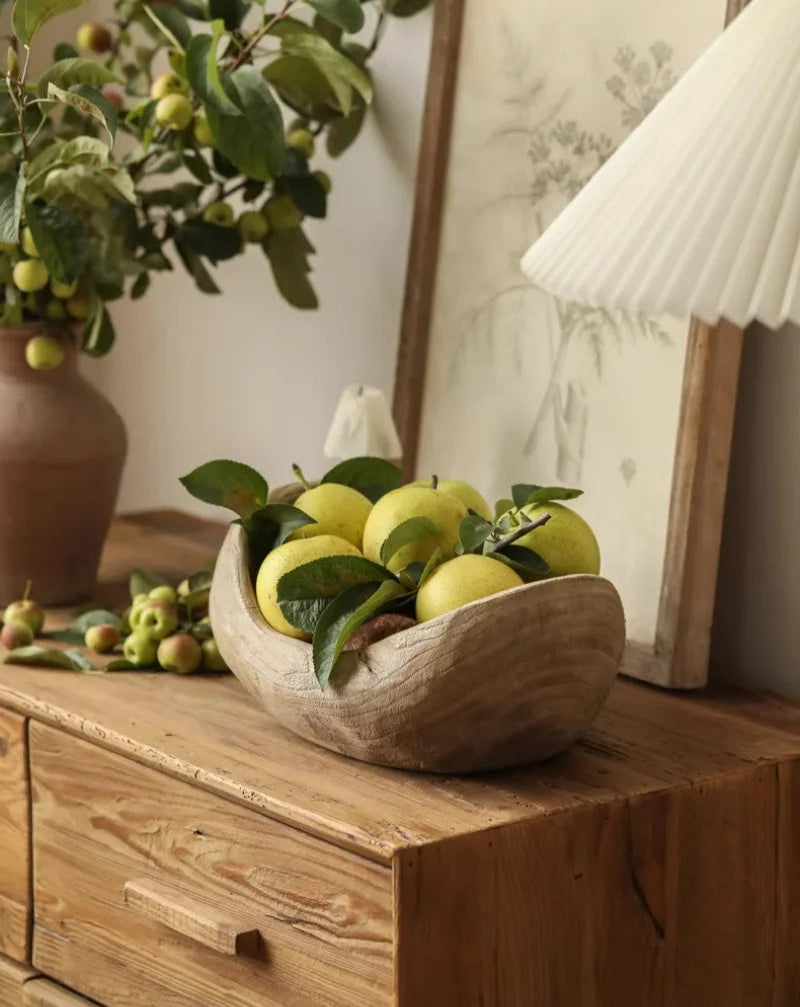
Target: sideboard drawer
13,978
14,840
149,890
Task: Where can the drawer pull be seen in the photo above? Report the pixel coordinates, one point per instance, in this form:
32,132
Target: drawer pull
195,920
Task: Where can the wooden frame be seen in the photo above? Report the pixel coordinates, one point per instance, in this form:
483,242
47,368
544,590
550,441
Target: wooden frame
679,655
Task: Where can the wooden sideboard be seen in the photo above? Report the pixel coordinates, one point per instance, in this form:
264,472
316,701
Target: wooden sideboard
163,841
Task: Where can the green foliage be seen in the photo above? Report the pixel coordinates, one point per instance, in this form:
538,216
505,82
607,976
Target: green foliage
228,484
373,477
107,213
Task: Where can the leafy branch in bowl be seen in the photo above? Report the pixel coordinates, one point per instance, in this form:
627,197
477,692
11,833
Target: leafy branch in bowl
329,598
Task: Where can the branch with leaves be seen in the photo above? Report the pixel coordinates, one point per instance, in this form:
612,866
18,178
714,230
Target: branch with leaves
223,106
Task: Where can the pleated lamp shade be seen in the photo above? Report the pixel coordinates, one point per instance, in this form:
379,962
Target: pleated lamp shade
698,211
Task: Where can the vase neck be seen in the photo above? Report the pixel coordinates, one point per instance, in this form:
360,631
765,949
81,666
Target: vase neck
12,354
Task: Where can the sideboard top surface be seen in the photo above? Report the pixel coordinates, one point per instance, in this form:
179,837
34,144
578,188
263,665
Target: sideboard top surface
207,730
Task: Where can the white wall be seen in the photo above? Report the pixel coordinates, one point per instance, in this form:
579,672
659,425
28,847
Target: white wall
244,375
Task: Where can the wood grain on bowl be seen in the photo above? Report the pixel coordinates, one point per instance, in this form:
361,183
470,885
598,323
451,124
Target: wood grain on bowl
504,681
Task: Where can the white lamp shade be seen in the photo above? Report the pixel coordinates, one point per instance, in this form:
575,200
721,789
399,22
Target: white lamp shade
698,211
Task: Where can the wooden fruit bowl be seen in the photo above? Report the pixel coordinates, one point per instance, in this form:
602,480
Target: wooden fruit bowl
505,681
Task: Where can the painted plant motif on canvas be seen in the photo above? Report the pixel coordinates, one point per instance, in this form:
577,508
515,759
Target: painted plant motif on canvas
520,386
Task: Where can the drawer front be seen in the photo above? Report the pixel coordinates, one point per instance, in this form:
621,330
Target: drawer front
13,978
14,839
148,890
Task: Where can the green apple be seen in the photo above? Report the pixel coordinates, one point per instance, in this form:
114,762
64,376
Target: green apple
26,610
140,648
157,618
566,542
16,634
302,140
28,244
219,213
94,37
163,593
44,353
78,307
462,580
102,639
285,558
212,659
54,310
174,111
30,275
202,131
323,179
180,653
282,213
168,83
410,502
253,226
462,491
63,290
338,510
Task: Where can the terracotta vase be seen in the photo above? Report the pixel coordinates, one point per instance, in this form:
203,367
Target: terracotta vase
62,448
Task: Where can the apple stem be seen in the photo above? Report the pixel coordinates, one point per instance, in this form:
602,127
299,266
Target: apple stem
298,474
28,589
522,530
435,481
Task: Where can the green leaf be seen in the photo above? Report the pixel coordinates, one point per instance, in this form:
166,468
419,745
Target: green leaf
347,14
88,101
304,593
143,581
473,532
374,477
228,484
231,12
252,136
342,133
176,196
288,252
214,242
12,189
302,86
306,193
63,50
272,524
194,265
341,73
44,657
527,563
95,617
412,530
198,166
61,239
502,507
165,20
99,334
120,664
419,572
407,8
202,69
527,493
343,616
68,72
28,16
171,19
140,286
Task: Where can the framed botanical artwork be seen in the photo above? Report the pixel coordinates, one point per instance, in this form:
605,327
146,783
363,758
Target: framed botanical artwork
498,382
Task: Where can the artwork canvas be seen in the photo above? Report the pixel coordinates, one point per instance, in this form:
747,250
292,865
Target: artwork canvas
499,382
